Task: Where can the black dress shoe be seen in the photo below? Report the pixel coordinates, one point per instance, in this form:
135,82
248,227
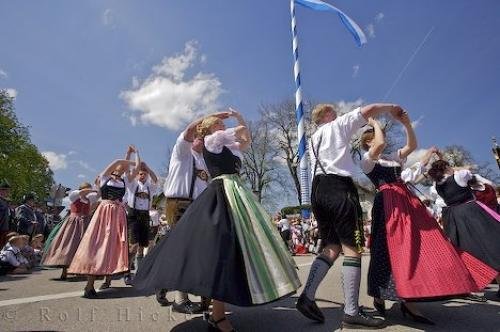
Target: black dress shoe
362,321
309,309
90,294
416,318
187,307
161,297
380,307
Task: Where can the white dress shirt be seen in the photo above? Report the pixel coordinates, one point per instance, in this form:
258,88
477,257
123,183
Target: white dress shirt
335,150
180,171
136,186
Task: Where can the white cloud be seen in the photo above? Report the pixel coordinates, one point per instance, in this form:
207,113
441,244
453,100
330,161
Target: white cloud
56,161
170,99
81,176
379,17
108,18
416,123
370,28
355,71
11,92
3,74
72,152
84,165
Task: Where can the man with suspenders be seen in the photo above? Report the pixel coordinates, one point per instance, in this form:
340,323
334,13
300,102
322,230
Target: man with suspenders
187,179
336,207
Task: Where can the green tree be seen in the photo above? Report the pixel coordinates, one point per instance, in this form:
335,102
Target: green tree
21,163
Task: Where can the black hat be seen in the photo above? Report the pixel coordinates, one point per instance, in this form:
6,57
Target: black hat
28,196
4,184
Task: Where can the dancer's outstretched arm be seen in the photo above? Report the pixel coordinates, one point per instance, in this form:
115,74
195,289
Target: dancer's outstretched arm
378,143
111,167
411,139
374,110
242,133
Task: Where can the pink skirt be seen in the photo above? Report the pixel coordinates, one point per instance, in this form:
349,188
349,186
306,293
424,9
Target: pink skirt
104,247
66,242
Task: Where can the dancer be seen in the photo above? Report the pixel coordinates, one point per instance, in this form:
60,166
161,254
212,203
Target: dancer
140,191
410,257
336,206
227,247
104,248
469,224
187,179
65,243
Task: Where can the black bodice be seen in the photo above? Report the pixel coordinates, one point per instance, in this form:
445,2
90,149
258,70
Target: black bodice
453,193
384,174
112,193
221,163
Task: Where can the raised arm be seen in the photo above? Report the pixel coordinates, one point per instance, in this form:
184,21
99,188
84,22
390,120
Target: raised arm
428,155
131,175
411,139
151,173
374,110
111,167
378,143
242,133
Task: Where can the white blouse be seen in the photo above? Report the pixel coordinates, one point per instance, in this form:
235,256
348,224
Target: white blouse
75,195
216,141
386,160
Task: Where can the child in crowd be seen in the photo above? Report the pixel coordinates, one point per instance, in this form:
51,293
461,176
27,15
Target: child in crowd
37,245
11,259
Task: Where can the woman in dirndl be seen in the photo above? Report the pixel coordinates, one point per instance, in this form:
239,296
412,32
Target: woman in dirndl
65,243
226,245
103,250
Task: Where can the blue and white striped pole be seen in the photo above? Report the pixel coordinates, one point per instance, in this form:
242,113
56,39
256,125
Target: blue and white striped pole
299,113
360,39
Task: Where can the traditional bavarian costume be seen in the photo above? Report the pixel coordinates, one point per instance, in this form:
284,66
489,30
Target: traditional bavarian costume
66,242
469,224
187,179
139,202
225,246
104,248
410,256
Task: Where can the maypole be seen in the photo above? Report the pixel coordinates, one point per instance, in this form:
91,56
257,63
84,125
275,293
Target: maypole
299,113
360,39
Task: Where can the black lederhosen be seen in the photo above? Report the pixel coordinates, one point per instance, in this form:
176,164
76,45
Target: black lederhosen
138,226
335,204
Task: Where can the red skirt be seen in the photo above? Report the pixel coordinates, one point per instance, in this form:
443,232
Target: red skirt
424,263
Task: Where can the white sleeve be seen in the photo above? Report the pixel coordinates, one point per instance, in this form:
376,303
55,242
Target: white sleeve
411,174
102,179
92,197
367,164
182,148
350,122
215,142
74,196
462,177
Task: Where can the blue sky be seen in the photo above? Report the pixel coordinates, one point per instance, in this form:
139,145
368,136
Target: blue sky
71,64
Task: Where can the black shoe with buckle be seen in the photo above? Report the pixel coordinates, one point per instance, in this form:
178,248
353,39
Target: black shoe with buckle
475,298
187,307
362,321
161,297
309,309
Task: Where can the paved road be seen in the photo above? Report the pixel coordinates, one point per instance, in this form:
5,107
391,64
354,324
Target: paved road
36,302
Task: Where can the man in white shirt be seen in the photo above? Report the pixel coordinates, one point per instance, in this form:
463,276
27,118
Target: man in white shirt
187,179
336,206
284,228
139,193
